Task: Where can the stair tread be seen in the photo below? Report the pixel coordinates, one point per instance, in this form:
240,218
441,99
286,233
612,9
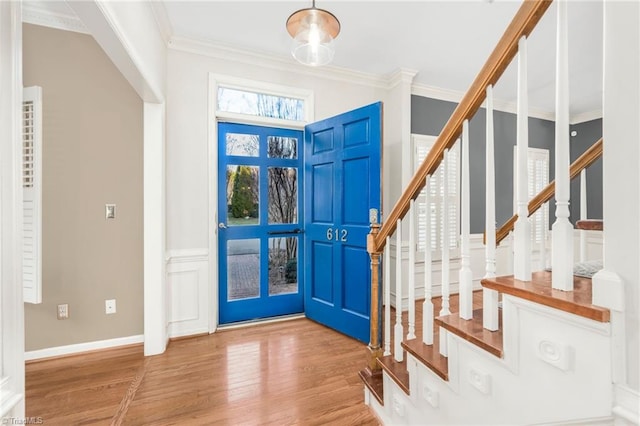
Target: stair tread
539,290
590,224
473,332
396,370
429,355
375,384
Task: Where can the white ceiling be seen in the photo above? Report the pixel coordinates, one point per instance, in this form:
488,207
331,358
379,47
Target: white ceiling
445,41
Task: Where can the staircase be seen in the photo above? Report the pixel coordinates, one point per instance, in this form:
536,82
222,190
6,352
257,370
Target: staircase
528,348
543,367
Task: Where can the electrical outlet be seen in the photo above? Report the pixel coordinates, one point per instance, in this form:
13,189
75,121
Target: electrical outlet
110,306
63,311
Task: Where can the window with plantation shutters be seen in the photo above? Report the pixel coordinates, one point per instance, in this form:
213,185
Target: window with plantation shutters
538,170
32,194
422,144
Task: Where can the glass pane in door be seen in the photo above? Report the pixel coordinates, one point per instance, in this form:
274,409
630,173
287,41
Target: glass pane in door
283,265
243,195
244,145
282,147
283,195
243,269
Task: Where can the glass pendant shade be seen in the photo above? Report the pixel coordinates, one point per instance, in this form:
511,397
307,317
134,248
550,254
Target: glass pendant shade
313,31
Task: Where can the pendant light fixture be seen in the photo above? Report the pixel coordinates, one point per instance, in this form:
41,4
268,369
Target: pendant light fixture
313,31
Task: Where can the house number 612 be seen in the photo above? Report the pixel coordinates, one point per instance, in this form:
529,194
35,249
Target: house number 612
337,235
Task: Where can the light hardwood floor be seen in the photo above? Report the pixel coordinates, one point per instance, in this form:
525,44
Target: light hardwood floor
292,372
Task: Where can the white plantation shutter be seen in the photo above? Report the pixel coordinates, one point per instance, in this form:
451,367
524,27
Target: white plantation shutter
32,194
538,169
422,145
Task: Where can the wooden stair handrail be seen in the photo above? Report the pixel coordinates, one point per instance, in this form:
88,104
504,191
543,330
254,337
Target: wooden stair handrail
523,23
585,160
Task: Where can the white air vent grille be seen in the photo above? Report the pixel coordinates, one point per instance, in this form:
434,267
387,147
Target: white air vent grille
27,144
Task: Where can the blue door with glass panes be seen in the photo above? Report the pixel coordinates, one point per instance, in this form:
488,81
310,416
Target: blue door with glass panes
342,183
259,222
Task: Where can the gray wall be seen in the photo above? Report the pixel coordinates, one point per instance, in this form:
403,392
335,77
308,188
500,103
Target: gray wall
428,117
588,133
92,155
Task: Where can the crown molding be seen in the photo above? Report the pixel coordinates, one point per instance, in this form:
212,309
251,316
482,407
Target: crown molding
433,92
583,117
280,63
40,16
162,20
456,96
399,76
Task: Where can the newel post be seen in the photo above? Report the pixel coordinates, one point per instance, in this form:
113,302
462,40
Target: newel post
374,349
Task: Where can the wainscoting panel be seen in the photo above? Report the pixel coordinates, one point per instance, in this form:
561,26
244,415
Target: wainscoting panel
188,291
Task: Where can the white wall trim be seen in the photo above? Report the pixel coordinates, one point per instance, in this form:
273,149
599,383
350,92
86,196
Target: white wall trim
212,190
626,403
188,292
596,421
12,389
434,92
162,19
456,96
155,289
32,14
8,400
79,348
602,328
585,116
401,75
281,63
188,255
131,55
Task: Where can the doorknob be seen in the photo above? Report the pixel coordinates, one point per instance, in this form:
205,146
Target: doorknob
221,225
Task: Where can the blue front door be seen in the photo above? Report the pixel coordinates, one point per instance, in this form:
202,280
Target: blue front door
342,183
260,228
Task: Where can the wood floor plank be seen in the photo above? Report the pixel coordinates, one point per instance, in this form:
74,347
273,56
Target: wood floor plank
293,372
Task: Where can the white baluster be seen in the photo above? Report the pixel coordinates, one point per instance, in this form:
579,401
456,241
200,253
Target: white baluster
387,298
490,297
445,251
465,277
445,237
583,214
562,240
522,229
544,220
427,305
543,240
411,333
398,329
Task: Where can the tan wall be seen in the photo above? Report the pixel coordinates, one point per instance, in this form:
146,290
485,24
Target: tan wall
92,155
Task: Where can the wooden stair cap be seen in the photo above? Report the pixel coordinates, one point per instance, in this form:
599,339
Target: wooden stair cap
590,224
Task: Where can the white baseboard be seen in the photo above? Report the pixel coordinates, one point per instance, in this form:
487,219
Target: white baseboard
599,421
626,404
82,347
